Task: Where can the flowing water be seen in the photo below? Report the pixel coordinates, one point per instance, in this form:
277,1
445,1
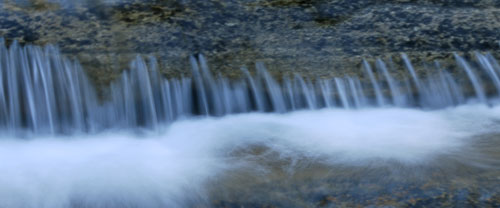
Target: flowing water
430,139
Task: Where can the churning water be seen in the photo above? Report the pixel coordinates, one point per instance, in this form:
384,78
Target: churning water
158,142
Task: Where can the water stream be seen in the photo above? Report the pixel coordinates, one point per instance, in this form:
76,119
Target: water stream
206,140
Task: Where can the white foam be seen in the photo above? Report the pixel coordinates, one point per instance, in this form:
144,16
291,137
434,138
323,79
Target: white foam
119,169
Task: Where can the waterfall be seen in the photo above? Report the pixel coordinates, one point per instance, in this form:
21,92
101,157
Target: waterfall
375,83
397,98
41,91
341,89
413,74
476,82
490,69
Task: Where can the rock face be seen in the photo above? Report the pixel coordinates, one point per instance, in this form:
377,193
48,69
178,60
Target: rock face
314,37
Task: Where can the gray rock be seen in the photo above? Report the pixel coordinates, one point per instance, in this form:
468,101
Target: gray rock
313,37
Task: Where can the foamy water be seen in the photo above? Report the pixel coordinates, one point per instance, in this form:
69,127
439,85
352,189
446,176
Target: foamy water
171,167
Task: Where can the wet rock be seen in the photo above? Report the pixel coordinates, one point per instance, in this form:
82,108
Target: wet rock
318,38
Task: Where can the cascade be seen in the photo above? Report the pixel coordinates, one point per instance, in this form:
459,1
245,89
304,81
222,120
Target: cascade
41,91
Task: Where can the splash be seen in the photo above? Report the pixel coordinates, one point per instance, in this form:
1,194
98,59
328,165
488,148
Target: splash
172,167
